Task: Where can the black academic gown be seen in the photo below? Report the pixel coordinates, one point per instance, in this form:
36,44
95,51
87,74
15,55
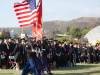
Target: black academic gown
1,49
90,54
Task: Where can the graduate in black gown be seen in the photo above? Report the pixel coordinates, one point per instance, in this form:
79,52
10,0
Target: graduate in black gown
1,53
90,53
95,54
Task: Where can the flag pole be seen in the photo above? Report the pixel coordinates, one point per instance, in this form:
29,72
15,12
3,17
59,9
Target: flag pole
22,30
38,3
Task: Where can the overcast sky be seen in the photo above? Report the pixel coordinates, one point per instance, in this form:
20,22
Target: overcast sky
52,10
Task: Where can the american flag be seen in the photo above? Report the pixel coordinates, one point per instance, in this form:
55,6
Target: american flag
26,12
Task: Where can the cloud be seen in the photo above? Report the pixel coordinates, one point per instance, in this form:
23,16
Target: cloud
91,12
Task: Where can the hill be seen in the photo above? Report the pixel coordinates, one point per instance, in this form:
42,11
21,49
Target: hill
80,22
62,25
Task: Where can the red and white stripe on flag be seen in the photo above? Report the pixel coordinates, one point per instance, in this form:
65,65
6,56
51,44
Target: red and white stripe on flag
24,14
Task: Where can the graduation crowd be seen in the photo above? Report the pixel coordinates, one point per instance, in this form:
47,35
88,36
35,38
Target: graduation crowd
45,54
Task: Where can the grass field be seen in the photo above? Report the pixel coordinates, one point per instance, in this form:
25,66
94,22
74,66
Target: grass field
80,69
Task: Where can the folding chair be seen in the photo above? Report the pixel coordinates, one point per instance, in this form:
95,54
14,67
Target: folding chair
12,64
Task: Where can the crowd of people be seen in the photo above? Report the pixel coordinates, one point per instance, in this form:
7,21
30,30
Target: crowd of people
45,54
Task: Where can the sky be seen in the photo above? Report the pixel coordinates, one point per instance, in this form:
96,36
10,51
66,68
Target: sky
52,10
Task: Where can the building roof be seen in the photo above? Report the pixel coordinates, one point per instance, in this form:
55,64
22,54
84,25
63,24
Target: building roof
61,35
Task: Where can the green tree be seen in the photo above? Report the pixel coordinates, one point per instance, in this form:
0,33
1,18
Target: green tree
68,30
5,33
85,30
75,32
56,31
16,36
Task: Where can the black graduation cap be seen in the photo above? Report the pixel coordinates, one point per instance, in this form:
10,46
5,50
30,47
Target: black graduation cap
50,40
64,40
76,43
9,37
54,40
44,36
59,42
0,38
18,40
71,43
23,39
34,37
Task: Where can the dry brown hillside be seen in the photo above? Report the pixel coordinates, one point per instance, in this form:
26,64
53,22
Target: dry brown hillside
81,22
62,25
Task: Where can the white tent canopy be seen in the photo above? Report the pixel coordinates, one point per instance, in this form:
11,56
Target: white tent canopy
94,35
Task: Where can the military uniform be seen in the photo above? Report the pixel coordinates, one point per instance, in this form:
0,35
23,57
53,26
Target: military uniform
30,65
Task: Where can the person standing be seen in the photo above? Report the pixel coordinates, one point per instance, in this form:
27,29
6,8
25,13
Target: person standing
53,47
44,55
83,55
1,50
58,54
90,53
64,55
95,54
7,51
30,65
23,58
76,51
17,53
11,46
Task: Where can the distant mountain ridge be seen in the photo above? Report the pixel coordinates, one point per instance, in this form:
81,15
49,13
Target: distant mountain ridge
62,25
80,22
